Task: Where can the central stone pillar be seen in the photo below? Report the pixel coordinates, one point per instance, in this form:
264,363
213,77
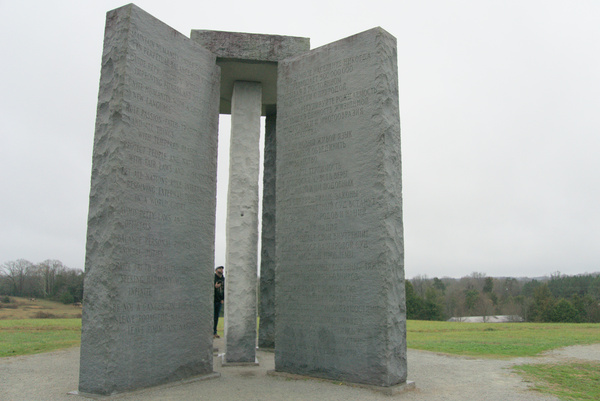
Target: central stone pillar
242,224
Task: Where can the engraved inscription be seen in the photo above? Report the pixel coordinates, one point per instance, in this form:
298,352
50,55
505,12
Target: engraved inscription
162,172
323,199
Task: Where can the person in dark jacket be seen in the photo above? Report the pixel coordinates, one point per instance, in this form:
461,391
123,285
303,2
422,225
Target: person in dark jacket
219,296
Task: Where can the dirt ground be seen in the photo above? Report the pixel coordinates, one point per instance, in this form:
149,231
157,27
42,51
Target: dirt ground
51,376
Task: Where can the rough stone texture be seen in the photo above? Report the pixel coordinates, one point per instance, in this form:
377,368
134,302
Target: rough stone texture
147,316
249,57
250,46
266,331
242,225
340,301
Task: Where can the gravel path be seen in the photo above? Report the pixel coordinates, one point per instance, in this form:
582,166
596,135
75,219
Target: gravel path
52,375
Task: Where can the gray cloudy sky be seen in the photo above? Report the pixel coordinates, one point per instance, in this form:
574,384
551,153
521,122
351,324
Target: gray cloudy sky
499,107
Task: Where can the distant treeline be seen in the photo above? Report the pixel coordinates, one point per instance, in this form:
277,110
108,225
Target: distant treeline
559,298
50,279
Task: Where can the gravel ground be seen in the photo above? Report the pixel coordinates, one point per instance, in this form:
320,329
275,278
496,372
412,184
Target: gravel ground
52,375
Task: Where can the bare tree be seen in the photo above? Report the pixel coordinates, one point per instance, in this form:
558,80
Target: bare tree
484,307
478,280
49,269
420,283
17,272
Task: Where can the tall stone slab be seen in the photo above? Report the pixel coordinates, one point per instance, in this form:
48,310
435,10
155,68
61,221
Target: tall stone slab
266,307
242,224
340,301
147,315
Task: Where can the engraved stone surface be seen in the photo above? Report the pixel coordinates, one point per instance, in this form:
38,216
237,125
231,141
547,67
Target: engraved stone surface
340,301
147,315
242,224
266,331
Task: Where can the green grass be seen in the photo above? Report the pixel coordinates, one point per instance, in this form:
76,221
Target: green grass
569,381
221,326
492,340
574,381
32,336
498,340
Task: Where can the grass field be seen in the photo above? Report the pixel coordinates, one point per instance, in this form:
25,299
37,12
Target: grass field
32,336
33,326
498,340
484,340
572,381
569,381
23,308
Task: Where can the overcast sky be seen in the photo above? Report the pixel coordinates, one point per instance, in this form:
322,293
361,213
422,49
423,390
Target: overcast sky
499,108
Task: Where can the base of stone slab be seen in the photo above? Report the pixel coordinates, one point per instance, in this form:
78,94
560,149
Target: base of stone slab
224,363
210,376
391,390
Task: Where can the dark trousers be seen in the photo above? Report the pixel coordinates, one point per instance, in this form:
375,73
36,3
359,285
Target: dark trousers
217,313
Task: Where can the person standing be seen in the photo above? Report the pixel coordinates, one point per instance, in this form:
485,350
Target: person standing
219,296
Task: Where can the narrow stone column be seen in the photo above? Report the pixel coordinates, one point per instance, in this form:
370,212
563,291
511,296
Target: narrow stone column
242,224
266,310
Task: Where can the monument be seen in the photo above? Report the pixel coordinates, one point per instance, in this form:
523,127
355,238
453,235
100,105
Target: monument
332,277
150,241
340,269
248,90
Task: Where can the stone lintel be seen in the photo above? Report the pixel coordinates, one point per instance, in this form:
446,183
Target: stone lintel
249,57
250,46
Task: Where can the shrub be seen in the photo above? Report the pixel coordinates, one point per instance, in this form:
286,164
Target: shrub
44,315
67,298
5,299
563,311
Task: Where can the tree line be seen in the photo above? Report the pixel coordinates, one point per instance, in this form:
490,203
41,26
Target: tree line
50,279
559,298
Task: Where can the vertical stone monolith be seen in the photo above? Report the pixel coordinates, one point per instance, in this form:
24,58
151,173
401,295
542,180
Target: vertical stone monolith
266,331
242,224
150,241
340,303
